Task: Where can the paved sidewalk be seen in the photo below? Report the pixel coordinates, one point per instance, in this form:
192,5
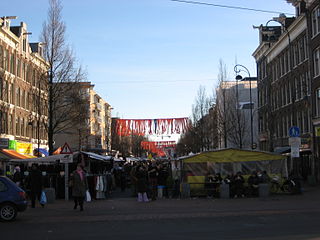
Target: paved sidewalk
275,217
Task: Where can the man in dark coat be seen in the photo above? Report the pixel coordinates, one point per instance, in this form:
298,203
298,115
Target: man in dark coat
238,185
35,185
253,182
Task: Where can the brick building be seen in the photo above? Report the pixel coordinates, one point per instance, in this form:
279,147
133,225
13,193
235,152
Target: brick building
287,63
23,90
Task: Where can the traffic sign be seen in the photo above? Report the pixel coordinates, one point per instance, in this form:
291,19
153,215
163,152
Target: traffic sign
295,141
66,149
294,131
66,158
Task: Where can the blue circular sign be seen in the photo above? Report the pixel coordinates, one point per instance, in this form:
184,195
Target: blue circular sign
294,131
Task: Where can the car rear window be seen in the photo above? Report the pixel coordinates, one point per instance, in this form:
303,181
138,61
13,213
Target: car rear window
3,187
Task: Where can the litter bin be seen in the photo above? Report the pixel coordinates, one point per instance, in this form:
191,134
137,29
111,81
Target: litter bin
224,191
50,194
160,191
263,190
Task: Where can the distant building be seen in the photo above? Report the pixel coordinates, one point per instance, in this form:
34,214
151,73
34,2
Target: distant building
92,131
23,90
234,114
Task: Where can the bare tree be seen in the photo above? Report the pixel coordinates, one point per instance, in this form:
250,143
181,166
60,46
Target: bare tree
62,69
201,120
221,106
232,122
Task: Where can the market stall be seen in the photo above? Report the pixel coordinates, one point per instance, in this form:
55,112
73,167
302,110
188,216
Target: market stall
229,162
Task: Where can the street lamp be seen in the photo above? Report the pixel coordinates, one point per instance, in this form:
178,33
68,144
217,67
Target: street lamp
237,69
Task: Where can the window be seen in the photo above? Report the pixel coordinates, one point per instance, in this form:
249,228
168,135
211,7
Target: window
6,60
1,57
306,122
23,96
12,64
316,62
3,187
3,123
18,97
315,16
5,92
318,102
17,127
18,68
22,127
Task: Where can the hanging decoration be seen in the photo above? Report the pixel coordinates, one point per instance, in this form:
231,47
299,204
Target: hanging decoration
141,127
158,147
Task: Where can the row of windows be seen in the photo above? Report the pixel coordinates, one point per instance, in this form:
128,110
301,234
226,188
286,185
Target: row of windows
14,65
282,65
283,95
22,98
282,124
20,127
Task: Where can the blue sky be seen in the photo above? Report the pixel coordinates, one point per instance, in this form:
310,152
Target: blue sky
147,58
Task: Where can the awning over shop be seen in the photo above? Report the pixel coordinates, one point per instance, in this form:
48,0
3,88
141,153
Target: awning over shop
15,155
97,156
4,157
281,150
231,161
48,159
232,155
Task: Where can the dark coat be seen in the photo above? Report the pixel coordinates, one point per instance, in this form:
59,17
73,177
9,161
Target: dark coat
35,181
79,187
142,181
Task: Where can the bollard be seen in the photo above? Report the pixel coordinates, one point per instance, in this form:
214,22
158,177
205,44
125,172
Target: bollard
160,191
224,191
185,190
263,190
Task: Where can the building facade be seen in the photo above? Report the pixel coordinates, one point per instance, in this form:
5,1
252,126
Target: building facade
90,131
313,23
286,57
234,111
23,90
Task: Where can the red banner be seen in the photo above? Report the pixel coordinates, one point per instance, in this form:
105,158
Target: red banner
127,127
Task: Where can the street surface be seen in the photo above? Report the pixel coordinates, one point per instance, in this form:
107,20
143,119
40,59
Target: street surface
277,217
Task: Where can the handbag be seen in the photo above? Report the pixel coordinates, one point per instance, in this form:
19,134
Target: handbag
88,196
43,198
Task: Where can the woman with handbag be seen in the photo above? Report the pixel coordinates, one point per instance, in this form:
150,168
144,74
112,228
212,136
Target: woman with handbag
79,186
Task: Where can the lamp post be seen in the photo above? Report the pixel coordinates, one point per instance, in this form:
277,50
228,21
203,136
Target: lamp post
237,69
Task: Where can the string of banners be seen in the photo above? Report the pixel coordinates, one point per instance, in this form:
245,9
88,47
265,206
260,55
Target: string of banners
158,147
127,127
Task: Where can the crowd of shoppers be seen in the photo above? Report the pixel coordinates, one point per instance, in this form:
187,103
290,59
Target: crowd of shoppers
238,185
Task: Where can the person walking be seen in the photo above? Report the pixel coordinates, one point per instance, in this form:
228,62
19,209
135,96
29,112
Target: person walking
142,184
17,176
153,180
79,186
35,185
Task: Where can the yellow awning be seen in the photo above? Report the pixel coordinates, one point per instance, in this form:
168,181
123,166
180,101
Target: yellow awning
232,155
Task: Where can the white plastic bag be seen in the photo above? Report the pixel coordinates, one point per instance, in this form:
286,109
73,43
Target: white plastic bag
88,196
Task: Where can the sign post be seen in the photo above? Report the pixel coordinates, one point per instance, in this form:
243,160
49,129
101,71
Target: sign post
66,159
295,143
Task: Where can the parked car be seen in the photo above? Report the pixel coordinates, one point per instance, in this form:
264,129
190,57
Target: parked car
12,199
